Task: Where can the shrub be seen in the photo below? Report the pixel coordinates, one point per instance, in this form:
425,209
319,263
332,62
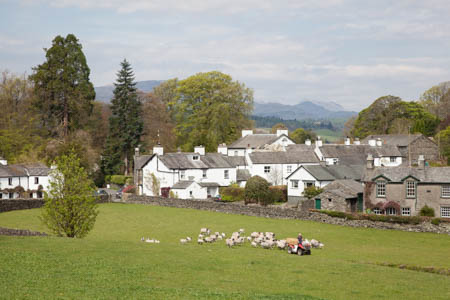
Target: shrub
118,179
232,193
312,191
372,217
279,193
427,211
257,191
435,221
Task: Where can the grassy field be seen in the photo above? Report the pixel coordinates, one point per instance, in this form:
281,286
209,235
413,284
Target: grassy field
329,135
112,262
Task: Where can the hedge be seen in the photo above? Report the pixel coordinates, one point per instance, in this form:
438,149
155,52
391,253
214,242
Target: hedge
379,218
118,179
232,193
279,193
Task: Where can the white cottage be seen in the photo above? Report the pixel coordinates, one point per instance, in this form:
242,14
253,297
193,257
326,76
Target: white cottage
23,180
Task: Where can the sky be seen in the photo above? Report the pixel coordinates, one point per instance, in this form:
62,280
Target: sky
347,51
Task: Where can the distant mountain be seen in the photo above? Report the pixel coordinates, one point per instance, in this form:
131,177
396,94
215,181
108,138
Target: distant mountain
105,93
301,111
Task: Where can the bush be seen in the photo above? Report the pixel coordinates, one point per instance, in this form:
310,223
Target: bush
232,193
378,218
119,179
427,211
279,193
257,191
312,191
436,221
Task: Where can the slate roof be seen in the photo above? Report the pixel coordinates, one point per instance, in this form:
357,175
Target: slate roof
184,160
283,157
24,170
357,154
255,141
242,175
398,174
141,160
333,172
209,184
344,188
182,184
236,160
401,140
300,147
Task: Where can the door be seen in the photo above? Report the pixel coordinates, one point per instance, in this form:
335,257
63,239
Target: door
318,204
360,202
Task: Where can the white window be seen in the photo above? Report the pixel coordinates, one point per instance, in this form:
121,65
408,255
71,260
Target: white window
391,211
235,153
10,180
393,159
308,184
190,193
266,169
195,157
182,174
36,180
381,189
445,192
445,212
376,211
289,169
406,211
410,189
335,161
225,174
294,184
204,173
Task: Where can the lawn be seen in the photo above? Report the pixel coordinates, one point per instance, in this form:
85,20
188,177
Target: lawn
112,262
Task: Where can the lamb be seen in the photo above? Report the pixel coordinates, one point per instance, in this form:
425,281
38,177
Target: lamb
204,230
216,234
209,239
265,245
188,239
254,234
219,237
157,241
249,239
254,244
200,236
229,242
183,241
241,231
315,243
321,246
200,241
223,234
281,244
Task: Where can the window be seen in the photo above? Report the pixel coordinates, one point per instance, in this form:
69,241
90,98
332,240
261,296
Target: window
204,173
445,192
335,161
182,174
445,212
393,159
308,184
11,195
195,157
39,194
381,189
266,169
410,189
1,195
406,211
226,174
36,180
190,193
329,199
377,211
391,211
294,184
235,153
31,195
10,180
289,169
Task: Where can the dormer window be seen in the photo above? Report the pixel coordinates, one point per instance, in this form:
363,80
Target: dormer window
195,157
410,189
393,159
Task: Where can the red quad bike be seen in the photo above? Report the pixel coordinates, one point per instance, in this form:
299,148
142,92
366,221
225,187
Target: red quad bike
300,249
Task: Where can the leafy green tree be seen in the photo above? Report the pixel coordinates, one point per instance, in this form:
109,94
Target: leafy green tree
278,126
443,139
210,109
70,207
436,101
125,123
257,191
64,94
312,191
300,135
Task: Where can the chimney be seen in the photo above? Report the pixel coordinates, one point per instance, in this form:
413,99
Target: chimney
372,142
369,162
282,131
421,162
318,142
347,141
249,149
308,142
357,141
199,149
379,142
222,149
158,149
246,132
136,151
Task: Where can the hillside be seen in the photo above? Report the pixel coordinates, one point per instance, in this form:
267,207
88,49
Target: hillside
105,93
302,110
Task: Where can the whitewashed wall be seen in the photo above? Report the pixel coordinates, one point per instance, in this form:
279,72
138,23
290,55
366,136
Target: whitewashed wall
303,176
278,172
198,192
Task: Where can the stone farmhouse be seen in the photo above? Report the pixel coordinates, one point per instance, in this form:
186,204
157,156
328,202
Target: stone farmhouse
405,190
23,180
413,144
344,195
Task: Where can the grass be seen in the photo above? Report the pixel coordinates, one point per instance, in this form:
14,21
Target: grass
329,135
111,262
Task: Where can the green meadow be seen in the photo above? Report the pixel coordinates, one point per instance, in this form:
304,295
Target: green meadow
112,262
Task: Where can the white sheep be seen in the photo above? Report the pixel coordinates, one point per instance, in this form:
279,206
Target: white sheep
200,236
229,242
188,239
157,241
219,237
254,244
265,245
249,239
321,245
142,239
241,231
315,243
183,241
200,241
281,244
216,234
208,239
204,230
254,234
223,234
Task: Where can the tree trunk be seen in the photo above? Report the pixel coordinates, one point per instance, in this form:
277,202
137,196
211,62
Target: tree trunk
126,165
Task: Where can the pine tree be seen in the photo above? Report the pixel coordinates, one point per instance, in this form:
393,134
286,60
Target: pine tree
126,124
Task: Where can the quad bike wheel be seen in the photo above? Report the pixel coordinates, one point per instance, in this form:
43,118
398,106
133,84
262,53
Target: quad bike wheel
300,251
289,250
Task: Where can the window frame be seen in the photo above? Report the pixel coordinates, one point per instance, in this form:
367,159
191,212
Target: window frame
309,183
388,211
226,174
447,211
377,211
204,174
393,159
36,180
406,211
445,193
195,157
182,174
289,169
10,181
294,183
408,189
266,169
381,185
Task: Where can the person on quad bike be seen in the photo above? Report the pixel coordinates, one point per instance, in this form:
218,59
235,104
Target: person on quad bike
300,239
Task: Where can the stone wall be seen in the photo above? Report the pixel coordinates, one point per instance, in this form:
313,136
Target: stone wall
21,232
275,211
17,204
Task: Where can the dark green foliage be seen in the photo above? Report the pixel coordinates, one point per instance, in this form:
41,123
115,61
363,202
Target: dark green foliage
300,135
269,122
118,179
372,217
436,221
312,191
443,138
70,206
390,114
64,94
426,211
279,193
210,108
232,193
257,191
126,125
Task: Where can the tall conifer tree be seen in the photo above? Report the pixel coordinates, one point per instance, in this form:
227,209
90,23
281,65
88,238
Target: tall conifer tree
126,124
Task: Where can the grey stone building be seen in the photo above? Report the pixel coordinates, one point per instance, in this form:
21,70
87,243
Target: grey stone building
405,190
344,195
412,144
